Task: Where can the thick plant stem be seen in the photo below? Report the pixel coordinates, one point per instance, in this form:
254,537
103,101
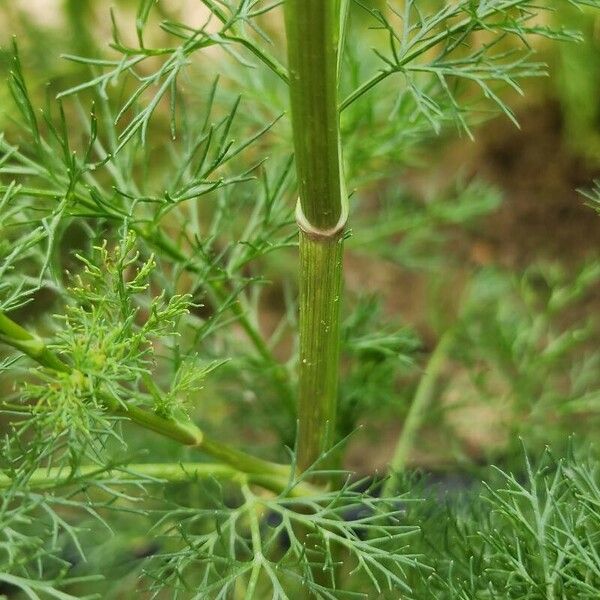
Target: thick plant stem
313,30
313,37
320,298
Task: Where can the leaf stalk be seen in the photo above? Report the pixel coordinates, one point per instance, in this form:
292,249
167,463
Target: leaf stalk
418,409
186,433
54,477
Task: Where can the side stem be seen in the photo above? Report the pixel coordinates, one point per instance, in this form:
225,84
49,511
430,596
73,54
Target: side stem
186,433
55,477
418,409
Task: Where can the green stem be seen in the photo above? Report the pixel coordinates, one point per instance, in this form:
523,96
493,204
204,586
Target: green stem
366,86
256,545
241,460
186,433
314,36
16,336
320,298
418,409
53,477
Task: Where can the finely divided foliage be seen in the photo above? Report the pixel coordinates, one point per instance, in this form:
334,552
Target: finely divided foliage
136,213
534,537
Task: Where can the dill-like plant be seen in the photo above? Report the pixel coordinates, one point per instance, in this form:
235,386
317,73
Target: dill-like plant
142,213
532,537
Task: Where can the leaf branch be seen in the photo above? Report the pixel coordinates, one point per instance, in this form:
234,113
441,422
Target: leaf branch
55,477
186,433
449,29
